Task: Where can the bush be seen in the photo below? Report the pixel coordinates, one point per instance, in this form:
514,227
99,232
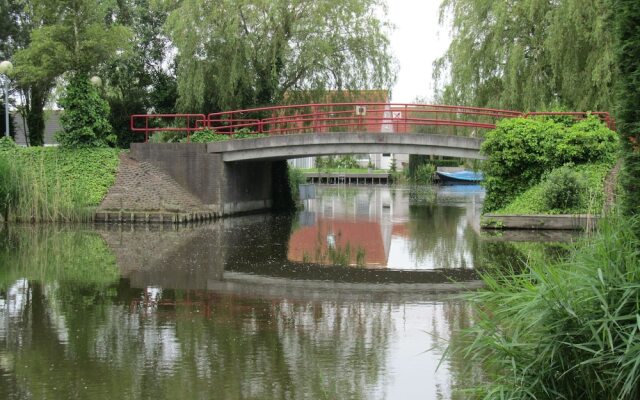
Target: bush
564,190
296,178
520,151
85,120
7,143
532,201
424,174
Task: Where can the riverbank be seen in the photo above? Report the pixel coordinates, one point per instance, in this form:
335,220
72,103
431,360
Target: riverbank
532,209
52,184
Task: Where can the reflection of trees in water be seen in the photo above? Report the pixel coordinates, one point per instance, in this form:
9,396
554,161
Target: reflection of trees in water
55,253
441,234
463,374
514,256
72,340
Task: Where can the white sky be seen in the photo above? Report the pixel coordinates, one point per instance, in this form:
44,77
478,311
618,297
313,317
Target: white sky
416,42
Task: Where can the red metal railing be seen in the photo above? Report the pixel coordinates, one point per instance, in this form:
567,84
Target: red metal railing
167,123
341,117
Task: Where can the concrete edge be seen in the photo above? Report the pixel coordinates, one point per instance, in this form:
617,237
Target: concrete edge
585,222
153,217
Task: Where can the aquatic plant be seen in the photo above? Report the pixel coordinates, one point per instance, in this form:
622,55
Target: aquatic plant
51,184
563,331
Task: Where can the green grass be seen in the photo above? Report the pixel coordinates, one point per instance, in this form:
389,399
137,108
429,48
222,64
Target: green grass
532,200
566,330
56,184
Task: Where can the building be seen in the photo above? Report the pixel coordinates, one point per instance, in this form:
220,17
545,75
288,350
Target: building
51,127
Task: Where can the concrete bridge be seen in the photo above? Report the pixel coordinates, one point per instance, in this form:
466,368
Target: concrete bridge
312,144
237,176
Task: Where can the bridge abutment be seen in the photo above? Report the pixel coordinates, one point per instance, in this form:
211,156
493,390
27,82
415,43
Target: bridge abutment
223,188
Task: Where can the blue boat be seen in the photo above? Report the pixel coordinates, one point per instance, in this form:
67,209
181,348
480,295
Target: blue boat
460,177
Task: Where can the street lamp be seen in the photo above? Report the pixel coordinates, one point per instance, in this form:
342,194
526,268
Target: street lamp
96,81
5,68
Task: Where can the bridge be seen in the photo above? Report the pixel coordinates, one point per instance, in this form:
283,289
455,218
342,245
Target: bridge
244,175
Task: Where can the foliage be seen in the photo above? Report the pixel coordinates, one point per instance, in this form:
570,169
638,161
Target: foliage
143,79
628,59
84,121
56,184
7,143
243,53
63,36
296,178
425,174
520,151
524,54
10,178
564,190
566,330
532,201
347,161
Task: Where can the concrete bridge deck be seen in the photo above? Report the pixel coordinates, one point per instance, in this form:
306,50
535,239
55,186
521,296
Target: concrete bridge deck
280,147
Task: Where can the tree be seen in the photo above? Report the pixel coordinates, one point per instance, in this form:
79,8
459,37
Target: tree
243,53
144,79
84,121
627,23
528,54
67,36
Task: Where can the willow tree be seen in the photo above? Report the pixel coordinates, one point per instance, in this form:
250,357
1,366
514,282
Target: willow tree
528,54
628,23
242,53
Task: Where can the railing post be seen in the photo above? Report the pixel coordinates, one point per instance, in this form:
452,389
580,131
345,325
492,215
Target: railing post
405,119
146,128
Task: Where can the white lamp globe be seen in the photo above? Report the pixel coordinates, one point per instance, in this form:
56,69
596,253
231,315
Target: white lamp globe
5,67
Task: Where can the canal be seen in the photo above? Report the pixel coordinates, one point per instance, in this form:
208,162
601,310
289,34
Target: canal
351,298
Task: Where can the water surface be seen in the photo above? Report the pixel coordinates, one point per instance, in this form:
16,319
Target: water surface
250,307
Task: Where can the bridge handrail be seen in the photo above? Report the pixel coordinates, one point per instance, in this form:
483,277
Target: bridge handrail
320,117
198,122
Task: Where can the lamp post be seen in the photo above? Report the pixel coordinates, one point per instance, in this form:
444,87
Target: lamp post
96,81
5,68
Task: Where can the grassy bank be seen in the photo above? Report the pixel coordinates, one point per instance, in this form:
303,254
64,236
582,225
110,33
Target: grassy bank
566,330
45,184
590,198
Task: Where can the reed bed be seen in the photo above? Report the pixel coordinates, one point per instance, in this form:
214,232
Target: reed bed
570,330
39,186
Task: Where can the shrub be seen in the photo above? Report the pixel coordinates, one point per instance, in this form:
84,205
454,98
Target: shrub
564,190
7,143
85,120
587,141
424,173
520,151
296,178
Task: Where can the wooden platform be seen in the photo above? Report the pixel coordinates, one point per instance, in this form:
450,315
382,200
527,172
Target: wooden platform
347,179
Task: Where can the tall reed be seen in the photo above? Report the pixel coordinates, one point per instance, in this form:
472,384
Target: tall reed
31,193
564,331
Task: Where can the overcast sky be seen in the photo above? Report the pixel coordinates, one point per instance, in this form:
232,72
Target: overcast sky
416,42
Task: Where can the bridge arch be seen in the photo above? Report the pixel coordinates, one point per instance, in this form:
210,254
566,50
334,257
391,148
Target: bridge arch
308,145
